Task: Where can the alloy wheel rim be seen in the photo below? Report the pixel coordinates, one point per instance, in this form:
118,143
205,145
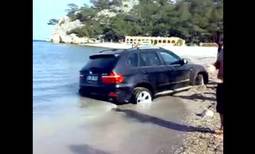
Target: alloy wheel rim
144,97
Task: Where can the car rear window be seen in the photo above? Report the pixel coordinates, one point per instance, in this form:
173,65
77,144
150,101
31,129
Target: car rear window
102,61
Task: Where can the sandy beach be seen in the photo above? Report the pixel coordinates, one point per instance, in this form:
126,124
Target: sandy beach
194,51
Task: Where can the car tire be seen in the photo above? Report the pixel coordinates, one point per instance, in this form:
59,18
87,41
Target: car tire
142,95
199,80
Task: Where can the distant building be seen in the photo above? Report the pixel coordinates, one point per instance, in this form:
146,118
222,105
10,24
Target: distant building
140,40
208,44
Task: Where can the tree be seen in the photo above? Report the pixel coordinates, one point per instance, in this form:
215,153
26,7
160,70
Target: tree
193,20
101,4
73,8
86,13
52,22
203,18
115,3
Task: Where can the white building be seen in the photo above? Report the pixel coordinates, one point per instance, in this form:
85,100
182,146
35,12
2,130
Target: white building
140,40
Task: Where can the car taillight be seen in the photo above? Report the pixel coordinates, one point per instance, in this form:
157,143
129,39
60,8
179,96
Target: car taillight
112,78
112,94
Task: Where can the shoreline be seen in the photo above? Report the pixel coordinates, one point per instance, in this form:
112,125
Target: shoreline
108,45
193,51
198,101
196,54
185,51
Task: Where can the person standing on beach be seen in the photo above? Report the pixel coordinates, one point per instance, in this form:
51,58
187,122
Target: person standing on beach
219,91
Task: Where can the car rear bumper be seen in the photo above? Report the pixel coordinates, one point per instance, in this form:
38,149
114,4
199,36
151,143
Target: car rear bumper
120,93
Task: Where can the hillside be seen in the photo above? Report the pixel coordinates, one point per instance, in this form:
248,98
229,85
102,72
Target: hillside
111,20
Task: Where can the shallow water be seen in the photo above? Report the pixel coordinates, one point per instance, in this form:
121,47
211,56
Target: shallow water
92,126
64,122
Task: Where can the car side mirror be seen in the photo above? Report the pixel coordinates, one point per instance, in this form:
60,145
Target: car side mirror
183,61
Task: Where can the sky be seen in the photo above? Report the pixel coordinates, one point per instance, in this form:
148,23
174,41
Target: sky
44,10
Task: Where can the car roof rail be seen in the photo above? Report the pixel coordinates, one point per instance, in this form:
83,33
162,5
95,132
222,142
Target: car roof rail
108,50
148,47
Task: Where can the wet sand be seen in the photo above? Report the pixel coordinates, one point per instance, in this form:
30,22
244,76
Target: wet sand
100,127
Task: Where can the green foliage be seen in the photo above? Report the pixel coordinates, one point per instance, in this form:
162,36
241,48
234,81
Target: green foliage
85,14
52,22
100,4
91,30
116,3
193,20
72,8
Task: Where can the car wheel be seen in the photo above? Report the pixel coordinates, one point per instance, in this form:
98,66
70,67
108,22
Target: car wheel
199,80
142,95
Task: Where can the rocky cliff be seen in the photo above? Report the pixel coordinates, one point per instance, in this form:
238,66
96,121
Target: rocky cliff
65,25
62,27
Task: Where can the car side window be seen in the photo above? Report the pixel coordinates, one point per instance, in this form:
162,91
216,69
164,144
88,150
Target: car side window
132,60
149,59
169,58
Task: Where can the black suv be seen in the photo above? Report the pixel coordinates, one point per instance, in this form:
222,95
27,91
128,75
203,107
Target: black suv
138,74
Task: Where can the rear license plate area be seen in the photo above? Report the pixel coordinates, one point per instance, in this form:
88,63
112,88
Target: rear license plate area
92,78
